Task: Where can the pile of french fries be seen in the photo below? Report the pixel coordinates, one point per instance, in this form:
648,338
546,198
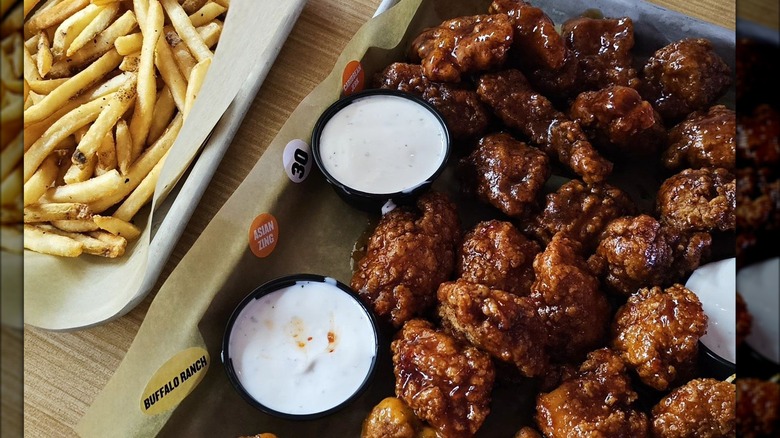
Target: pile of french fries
107,87
11,101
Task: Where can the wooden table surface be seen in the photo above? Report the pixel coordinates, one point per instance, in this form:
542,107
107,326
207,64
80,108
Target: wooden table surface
63,372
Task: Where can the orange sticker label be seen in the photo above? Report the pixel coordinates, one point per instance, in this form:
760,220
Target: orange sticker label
353,78
263,235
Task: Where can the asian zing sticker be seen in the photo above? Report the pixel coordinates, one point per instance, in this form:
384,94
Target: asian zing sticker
263,235
353,78
297,159
174,381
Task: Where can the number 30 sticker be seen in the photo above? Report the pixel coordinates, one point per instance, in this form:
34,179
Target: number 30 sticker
297,160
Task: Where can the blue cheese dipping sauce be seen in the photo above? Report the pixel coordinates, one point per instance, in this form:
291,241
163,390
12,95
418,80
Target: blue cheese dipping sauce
715,285
301,346
381,142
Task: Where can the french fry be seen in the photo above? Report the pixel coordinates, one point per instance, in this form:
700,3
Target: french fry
207,13
129,44
89,191
11,156
224,3
181,22
55,211
163,111
146,85
30,69
12,21
77,173
45,86
42,179
116,244
69,29
142,194
184,59
91,242
72,86
29,5
59,131
11,187
130,63
191,6
46,242
106,155
44,56
104,123
123,145
98,24
197,77
77,225
117,227
169,71
56,14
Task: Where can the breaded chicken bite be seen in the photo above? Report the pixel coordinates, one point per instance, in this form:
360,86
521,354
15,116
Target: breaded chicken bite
537,44
445,382
574,309
392,418
500,323
703,139
411,252
758,408
699,200
465,114
505,173
463,45
683,77
702,408
657,333
498,255
597,402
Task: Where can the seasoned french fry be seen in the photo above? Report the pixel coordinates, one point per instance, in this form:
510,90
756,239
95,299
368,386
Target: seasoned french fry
191,6
169,71
45,86
206,14
56,14
59,131
42,179
181,22
142,194
117,227
197,77
46,242
77,225
130,63
92,243
44,56
146,86
104,123
123,146
89,191
129,44
163,111
55,211
98,24
69,29
116,244
106,155
184,59
77,173
71,87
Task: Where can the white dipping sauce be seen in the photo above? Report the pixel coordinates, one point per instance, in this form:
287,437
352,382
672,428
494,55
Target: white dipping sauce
302,349
759,285
715,285
382,144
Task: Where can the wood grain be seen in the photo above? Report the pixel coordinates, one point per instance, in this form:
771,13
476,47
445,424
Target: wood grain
65,371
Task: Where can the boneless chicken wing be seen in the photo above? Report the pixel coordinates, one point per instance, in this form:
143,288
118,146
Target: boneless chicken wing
505,173
657,333
498,255
597,402
698,200
703,139
411,252
758,408
702,408
465,114
392,418
464,45
500,323
445,382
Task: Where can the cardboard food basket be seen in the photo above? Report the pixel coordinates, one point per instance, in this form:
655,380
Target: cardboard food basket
313,231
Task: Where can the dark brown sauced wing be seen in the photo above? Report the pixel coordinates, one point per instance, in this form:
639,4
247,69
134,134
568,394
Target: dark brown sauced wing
702,408
512,99
703,139
698,200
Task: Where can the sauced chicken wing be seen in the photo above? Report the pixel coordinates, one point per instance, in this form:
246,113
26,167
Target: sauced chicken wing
698,200
496,254
581,211
597,402
505,173
657,333
683,77
602,47
703,139
445,382
465,114
758,408
758,137
463,45
500,323
513,100
574,309
409,254
637,251
392,418
702,408
619,122
537,43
